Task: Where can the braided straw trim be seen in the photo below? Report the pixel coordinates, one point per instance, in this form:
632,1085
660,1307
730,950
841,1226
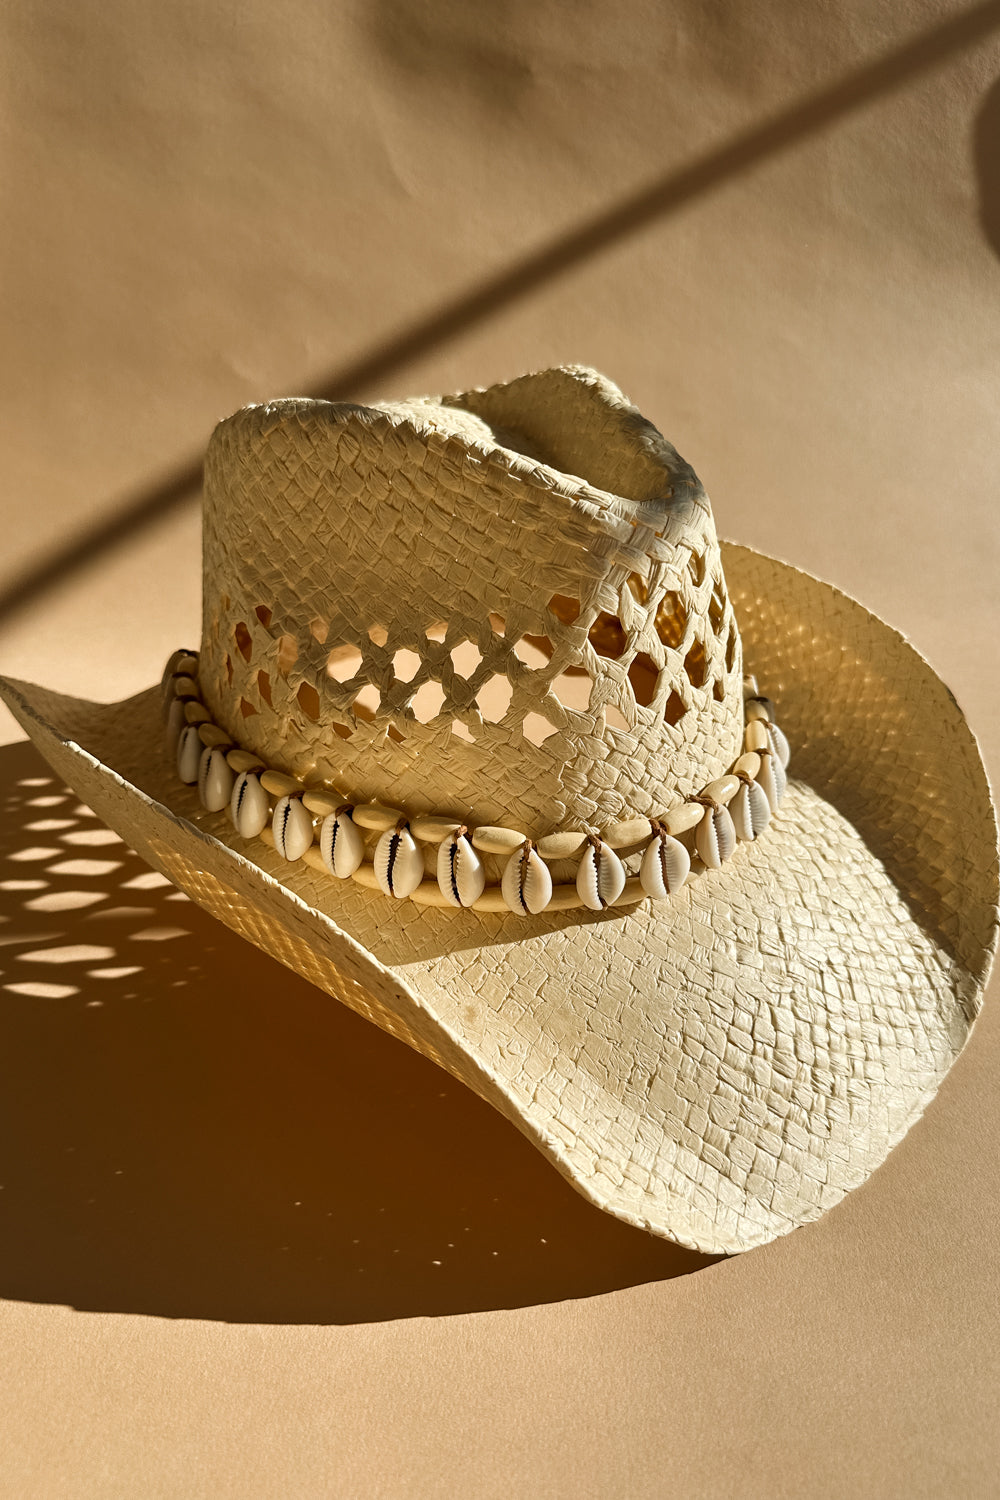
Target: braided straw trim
602,879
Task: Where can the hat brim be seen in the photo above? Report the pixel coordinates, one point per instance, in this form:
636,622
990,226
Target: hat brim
718,1068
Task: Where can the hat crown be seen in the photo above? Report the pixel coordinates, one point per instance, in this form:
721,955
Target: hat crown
506,605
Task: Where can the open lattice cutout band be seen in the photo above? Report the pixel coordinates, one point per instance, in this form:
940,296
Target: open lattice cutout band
333,834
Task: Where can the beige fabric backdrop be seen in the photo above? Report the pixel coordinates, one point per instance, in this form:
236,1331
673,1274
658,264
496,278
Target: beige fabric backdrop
250,1246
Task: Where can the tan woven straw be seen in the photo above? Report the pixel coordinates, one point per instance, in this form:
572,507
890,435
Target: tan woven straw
510,607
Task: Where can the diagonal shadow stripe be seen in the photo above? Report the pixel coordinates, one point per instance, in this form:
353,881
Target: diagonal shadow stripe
665,196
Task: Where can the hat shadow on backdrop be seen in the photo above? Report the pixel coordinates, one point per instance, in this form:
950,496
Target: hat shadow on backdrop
190,1130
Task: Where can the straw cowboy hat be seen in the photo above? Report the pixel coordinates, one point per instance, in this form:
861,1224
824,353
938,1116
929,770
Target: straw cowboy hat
487,737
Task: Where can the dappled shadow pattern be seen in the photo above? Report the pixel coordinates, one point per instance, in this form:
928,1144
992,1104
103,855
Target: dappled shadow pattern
188,1129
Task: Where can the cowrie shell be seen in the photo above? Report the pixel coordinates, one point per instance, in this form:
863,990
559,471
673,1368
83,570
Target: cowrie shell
189,748
292,827
779,744
526,884
249,806
715,837
176,720
600,878
460,871
665,866
772,778
341,844
399,864
750,811
215,779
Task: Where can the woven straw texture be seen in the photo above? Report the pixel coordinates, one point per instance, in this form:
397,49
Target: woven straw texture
718,1068
410,604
